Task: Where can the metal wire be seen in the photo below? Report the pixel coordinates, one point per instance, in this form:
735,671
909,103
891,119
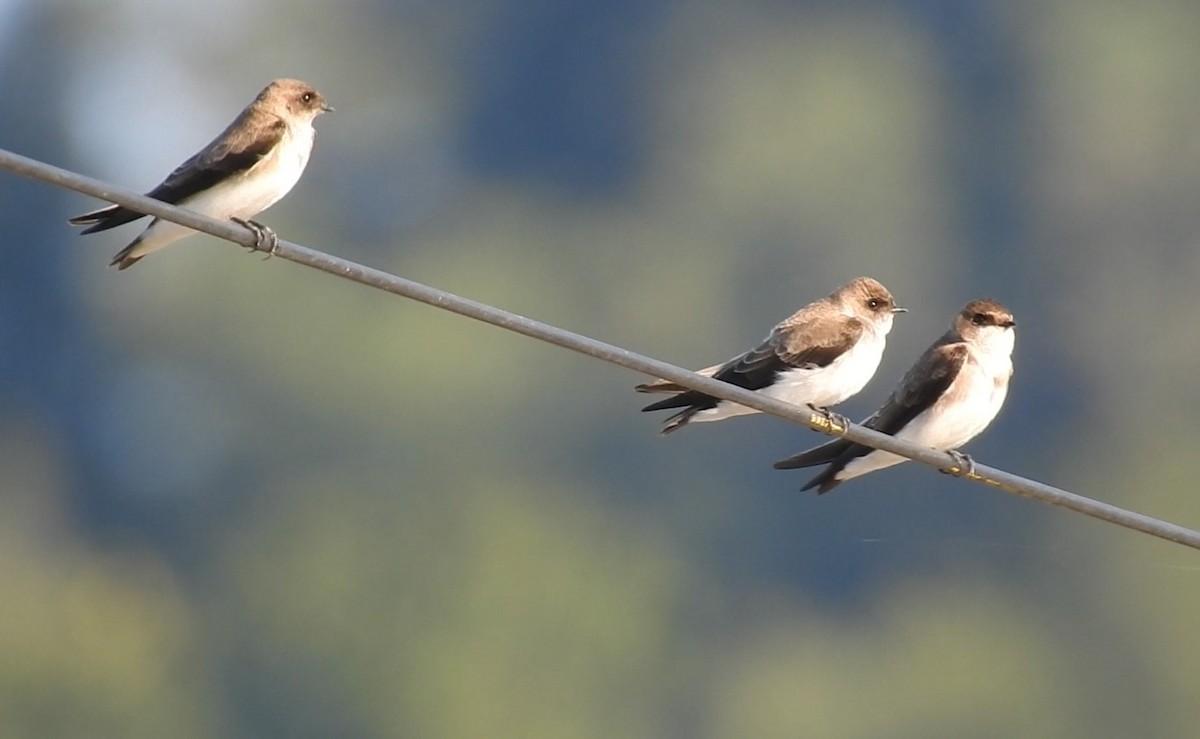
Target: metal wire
598,349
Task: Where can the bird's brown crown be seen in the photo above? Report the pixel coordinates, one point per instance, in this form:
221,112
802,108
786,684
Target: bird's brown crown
981,313
868,295
299,98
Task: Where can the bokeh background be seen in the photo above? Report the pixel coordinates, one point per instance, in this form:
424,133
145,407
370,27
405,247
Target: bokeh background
240,498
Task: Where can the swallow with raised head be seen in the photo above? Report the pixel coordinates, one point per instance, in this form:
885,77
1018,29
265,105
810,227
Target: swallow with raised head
821,355
248,168
946,399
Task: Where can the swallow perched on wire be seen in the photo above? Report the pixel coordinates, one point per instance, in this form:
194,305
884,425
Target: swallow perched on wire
819,356
248,168
946,399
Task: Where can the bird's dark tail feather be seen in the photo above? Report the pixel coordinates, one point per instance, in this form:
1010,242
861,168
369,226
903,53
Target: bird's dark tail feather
832,453
660,386
817,455
697,401
104,219
682,400
825,481
679,420
123,260
94,216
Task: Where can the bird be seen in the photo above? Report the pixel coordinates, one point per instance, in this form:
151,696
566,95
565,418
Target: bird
819,356
949,396
253,163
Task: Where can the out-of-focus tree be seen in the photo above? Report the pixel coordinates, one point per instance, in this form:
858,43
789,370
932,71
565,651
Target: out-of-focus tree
245,499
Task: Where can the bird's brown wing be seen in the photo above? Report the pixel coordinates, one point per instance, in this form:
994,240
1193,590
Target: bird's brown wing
921,387
791,345
236,150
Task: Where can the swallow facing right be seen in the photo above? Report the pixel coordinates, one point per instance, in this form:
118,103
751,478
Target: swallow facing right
948,398
244,171
821,355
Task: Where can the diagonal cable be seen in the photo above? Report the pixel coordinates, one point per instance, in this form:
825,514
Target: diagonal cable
598,349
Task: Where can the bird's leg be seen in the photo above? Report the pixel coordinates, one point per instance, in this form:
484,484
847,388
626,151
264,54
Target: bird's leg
264,238
836,420
964,463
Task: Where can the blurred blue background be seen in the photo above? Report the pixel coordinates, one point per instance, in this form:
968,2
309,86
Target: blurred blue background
245,499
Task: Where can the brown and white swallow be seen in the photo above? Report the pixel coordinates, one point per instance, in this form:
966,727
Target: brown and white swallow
946,399
248,168
821,355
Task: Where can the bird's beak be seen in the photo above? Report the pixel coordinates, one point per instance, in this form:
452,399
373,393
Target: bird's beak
326,108
899,310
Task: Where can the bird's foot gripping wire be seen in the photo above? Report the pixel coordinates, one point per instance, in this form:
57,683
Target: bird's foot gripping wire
264,238
837,422
965,466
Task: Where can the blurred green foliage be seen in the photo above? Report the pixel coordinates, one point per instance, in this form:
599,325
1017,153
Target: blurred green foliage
400,523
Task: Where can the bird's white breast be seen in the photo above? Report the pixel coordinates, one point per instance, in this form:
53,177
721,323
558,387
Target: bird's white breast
244,196
971,402
838,380
817,386
263,184
964,411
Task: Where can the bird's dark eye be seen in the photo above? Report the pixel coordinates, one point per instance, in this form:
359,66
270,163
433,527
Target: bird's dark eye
307,97
874,303
979,319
